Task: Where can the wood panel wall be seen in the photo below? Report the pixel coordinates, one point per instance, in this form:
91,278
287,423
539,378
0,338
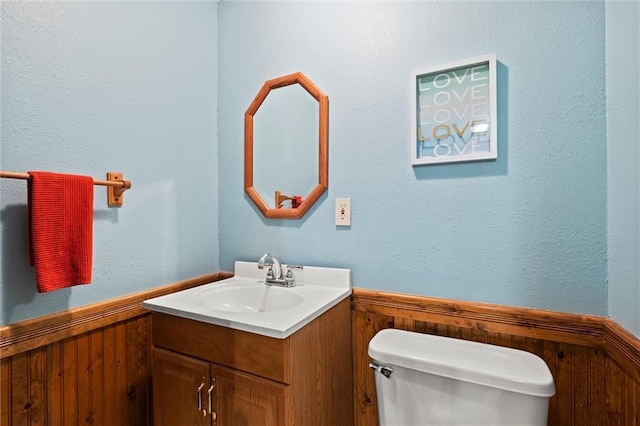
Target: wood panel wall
595,363
85,366
90,366
96,378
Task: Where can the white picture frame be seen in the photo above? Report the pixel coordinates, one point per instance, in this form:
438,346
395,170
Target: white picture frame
454,116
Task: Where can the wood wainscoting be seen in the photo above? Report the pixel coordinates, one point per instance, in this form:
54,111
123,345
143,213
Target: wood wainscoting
91,365
595,363
85,366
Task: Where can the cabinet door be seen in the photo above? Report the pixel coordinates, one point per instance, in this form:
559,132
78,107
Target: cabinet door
241,399
176,380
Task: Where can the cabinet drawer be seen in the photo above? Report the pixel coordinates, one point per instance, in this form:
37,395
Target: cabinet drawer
254,353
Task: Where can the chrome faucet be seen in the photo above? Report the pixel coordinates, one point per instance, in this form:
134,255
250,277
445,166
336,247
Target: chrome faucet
275,275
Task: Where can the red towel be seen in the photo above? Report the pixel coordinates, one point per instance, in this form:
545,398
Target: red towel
61,229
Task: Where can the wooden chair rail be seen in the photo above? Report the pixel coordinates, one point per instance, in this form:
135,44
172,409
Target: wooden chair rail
549,325
623,347
34,333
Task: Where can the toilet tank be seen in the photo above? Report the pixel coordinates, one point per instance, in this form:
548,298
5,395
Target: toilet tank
423,379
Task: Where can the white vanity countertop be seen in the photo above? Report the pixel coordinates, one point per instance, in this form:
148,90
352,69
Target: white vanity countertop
245,303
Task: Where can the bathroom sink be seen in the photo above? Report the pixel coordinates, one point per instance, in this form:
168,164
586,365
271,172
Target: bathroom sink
245,302
251,298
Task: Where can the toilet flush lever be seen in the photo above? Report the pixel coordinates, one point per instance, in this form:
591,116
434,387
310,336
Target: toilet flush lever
386,371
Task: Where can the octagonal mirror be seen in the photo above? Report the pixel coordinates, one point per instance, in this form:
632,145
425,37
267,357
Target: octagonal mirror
286,130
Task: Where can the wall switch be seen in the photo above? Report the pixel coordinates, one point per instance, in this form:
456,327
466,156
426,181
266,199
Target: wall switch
343,211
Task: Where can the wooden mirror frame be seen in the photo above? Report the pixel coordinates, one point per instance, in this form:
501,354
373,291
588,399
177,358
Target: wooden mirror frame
323,147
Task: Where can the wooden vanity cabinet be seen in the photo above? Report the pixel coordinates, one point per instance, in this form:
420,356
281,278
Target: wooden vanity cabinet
304,379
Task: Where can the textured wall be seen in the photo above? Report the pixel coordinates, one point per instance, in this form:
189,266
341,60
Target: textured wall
528,229
115,86
92,87
623,157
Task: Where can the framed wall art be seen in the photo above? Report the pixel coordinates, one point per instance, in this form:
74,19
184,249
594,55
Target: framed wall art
454,116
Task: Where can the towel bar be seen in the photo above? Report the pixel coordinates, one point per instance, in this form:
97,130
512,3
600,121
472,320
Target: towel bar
116,186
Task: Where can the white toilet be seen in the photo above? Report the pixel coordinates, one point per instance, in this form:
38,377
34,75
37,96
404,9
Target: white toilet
423,379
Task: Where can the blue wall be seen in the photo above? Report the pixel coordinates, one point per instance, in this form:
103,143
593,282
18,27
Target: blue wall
623,159
529,229
131,87
89,88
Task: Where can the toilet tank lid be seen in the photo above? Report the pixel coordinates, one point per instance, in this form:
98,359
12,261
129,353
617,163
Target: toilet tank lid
484,364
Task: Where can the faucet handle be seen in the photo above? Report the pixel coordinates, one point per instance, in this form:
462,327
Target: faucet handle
270,274
289,278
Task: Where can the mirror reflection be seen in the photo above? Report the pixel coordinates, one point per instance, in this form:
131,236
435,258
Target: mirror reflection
286,143
285,146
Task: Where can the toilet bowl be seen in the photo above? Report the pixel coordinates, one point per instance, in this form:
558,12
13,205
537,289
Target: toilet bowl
423,379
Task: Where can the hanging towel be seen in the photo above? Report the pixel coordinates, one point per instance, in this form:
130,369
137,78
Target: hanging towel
61,229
